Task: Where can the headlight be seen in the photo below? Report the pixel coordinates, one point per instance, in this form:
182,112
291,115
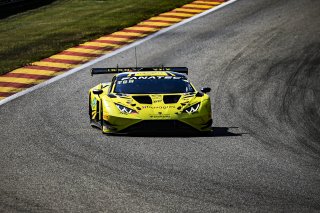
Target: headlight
192,109
125,110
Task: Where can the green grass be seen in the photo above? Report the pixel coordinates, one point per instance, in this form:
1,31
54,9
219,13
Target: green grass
40,33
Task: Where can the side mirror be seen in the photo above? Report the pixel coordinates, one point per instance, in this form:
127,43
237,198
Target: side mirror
205,89
97,91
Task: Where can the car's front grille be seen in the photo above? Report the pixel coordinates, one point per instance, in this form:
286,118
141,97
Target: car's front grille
159,126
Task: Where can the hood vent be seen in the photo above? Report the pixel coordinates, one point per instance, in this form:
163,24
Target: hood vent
171,99
144,99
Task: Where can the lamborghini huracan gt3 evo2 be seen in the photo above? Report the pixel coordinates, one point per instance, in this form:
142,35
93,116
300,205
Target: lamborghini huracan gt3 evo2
149,99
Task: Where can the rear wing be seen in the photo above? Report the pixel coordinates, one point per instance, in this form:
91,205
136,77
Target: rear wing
96,71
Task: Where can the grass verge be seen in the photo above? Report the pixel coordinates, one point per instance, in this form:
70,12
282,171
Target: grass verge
40,33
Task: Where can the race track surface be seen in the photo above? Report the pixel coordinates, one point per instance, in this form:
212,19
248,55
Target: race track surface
262,61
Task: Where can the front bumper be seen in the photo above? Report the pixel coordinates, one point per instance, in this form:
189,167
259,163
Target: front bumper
157,120
122,125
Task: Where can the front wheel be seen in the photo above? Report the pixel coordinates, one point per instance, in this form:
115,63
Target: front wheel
103,128
90,110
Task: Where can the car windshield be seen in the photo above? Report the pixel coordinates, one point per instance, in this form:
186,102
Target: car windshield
152,85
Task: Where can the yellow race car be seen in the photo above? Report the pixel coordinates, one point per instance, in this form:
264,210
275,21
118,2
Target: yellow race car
149,100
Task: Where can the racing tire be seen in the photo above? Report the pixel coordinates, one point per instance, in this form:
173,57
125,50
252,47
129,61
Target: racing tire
90,110
101,115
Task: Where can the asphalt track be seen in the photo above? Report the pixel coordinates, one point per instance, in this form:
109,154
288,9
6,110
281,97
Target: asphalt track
262,61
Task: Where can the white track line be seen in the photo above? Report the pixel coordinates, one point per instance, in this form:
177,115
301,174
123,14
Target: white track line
74,70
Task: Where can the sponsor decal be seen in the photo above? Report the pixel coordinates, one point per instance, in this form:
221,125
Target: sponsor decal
125,82
160,116
156,96
158,107
151,77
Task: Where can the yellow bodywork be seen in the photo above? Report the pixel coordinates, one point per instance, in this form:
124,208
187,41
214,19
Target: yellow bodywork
105,114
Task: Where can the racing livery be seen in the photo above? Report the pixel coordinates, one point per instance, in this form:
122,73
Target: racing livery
154,99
